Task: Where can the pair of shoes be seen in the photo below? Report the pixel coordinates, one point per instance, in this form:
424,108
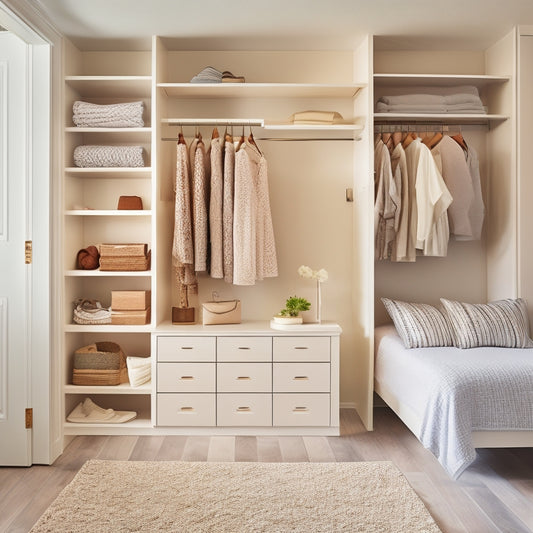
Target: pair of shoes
88,412
228,77
208,75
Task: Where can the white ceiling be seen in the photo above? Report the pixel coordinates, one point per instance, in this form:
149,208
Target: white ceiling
284,24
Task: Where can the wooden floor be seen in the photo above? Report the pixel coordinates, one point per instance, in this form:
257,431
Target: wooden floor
495,494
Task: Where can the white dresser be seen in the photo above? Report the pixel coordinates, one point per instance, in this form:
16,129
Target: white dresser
247,379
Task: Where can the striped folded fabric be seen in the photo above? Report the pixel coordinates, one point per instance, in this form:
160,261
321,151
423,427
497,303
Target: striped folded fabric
503,323
419,325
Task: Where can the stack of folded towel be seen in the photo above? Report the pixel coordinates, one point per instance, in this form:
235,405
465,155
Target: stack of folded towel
212,75
463,99
139,370
125,115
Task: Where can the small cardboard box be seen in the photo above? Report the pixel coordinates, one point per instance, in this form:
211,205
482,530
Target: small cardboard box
130,318
130,300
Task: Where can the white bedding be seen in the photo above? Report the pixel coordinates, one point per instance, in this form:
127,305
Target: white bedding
454,392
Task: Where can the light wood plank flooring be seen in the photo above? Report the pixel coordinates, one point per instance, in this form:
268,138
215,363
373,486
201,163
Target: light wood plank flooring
494,495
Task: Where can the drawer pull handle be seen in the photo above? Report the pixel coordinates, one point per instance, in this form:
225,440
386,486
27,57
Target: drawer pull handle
300,410
243,409
242,378
186,348
244,347
300,378
187,409
187,377
301,348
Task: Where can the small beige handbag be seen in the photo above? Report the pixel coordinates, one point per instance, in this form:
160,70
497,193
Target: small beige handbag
224,312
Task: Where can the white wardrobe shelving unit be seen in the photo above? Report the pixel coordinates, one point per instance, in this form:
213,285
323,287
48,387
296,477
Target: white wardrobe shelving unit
279,84
472,271
91,217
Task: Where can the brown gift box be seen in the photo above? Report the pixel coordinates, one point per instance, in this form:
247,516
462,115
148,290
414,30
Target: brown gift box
130,300
130,203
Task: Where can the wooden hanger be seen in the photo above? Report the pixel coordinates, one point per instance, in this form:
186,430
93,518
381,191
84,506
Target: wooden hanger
215,134
409,138
181,138
241,141
432,140
251,140
227,137
458,138
396,138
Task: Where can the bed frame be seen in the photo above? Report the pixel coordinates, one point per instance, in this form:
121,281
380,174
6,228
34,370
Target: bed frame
480,439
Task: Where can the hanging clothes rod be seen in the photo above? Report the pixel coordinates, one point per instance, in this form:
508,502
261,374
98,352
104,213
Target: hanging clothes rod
294,139
214,122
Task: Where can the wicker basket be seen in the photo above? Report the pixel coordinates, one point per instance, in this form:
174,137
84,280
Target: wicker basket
114,372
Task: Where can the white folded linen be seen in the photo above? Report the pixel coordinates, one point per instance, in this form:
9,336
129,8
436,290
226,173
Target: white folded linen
430,108
108,156
139,370
431,99
123,115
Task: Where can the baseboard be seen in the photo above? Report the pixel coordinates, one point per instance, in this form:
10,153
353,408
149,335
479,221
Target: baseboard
347,405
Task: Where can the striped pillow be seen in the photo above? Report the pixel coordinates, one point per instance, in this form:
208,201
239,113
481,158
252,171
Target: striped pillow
503,323
419,325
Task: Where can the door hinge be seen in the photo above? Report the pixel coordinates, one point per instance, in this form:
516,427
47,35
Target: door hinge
29,418
28,252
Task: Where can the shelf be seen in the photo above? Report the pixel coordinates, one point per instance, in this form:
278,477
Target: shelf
108,328
448,80
133,427
124,388
444,118
109,213
109,172
114,135
114,86
260,90
108,273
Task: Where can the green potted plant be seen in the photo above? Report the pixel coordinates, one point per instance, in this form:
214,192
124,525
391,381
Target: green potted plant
290,314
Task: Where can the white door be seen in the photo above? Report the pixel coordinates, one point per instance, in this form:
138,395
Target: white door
15,341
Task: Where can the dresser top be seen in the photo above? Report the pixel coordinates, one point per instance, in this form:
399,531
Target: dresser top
247,328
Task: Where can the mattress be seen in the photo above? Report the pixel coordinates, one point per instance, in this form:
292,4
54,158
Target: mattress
453,392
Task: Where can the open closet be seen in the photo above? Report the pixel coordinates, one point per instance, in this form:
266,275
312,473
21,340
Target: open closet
471,270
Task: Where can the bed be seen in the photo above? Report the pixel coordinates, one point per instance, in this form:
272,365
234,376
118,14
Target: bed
455,400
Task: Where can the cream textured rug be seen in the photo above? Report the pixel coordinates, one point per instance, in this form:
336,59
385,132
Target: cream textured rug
117,496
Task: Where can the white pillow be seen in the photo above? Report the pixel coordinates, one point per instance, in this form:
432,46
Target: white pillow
503,323
419,325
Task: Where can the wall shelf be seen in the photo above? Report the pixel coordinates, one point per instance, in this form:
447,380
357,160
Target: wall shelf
260,90
109,213
444,118
123,388
111,86
109,172
107,273
447,80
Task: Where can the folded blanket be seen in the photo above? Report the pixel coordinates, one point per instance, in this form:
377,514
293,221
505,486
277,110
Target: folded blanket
430,108
108,156
125,115
431,99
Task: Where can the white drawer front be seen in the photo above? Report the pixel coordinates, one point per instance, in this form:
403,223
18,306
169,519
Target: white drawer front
301,410
301,349
244,349
185,377
244,409
186,348
244,377
301,377
186,409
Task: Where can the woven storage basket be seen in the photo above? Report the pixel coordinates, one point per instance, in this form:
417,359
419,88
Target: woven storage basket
115,374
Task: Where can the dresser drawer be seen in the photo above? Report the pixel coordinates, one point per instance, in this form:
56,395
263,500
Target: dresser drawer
301,410
301,377
186,409
185,377
244,349
186,348
301,349
244,409
244,377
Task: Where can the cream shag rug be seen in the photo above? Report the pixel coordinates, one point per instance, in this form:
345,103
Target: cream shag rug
117,496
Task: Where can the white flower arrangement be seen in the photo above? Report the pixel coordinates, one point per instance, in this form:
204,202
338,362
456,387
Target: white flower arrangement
307,272
320,276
